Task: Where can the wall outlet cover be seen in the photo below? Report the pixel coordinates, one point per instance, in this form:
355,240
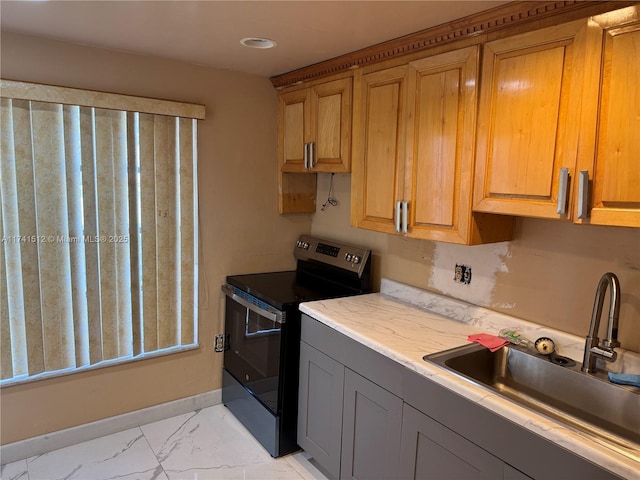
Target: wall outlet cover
462,274
219,343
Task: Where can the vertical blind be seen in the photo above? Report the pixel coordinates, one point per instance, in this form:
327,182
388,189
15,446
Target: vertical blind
98,259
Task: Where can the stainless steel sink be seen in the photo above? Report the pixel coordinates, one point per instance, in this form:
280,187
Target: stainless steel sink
609,413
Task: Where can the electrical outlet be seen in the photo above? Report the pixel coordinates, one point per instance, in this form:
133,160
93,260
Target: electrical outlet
462,274
219,343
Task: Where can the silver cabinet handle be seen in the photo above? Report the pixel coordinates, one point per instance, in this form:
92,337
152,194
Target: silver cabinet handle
583,194
306,155
397,216
405,217
312,154
563,191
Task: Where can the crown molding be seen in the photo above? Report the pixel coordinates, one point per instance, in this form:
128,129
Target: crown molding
510,15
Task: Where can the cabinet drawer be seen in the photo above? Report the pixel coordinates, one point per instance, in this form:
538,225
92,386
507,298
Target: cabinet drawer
359,358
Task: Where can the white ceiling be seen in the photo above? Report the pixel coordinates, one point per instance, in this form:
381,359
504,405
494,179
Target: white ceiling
208,32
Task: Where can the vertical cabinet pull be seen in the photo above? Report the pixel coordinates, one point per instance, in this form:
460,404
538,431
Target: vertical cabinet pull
583,195
308,153
401,217
305,154
405,217
563,189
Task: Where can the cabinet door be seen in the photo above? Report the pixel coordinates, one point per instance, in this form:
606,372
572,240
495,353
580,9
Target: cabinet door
441,136
331,126
432,451
372,419
615,199
441,139
378,148
531,119
320,408
414,142
294,129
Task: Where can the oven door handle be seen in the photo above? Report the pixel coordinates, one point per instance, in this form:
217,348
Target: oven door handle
259,333
275,316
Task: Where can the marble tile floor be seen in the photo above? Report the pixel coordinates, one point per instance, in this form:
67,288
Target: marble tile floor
206,444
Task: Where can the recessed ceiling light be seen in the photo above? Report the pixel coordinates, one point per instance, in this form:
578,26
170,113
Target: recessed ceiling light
257,42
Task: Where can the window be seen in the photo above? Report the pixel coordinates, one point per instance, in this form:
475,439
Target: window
98,252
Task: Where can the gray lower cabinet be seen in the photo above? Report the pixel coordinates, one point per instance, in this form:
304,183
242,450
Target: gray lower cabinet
371,426
364,416
432,451
348,424
511,473
320,396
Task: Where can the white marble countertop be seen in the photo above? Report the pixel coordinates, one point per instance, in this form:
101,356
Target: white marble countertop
405,323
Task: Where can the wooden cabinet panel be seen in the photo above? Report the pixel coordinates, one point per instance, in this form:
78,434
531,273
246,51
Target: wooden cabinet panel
616,172
440,144
297,192
372,420
436,147
530,118
295,128
332,106
414,133
620,110
382,138
378,148
525,122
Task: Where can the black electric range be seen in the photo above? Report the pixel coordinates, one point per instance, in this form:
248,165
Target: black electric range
262,334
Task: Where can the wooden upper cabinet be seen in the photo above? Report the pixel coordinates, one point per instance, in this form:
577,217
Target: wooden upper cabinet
615,172
294,128
378,148
531,119
558,122
414,134
314,126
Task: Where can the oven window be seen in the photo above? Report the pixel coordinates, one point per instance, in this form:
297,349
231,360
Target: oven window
252,352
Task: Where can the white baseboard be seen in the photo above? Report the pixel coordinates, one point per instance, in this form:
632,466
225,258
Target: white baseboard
70,436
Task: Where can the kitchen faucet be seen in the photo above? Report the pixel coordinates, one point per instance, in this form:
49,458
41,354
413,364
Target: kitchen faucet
592,347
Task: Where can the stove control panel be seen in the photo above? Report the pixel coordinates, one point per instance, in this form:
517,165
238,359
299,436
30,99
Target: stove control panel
340,255
325,249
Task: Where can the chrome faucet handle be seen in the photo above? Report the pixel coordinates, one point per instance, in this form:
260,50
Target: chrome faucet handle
605,352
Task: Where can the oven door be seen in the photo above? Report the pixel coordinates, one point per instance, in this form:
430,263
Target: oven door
252,344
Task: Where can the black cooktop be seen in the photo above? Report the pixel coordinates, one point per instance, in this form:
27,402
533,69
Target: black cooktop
283,289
